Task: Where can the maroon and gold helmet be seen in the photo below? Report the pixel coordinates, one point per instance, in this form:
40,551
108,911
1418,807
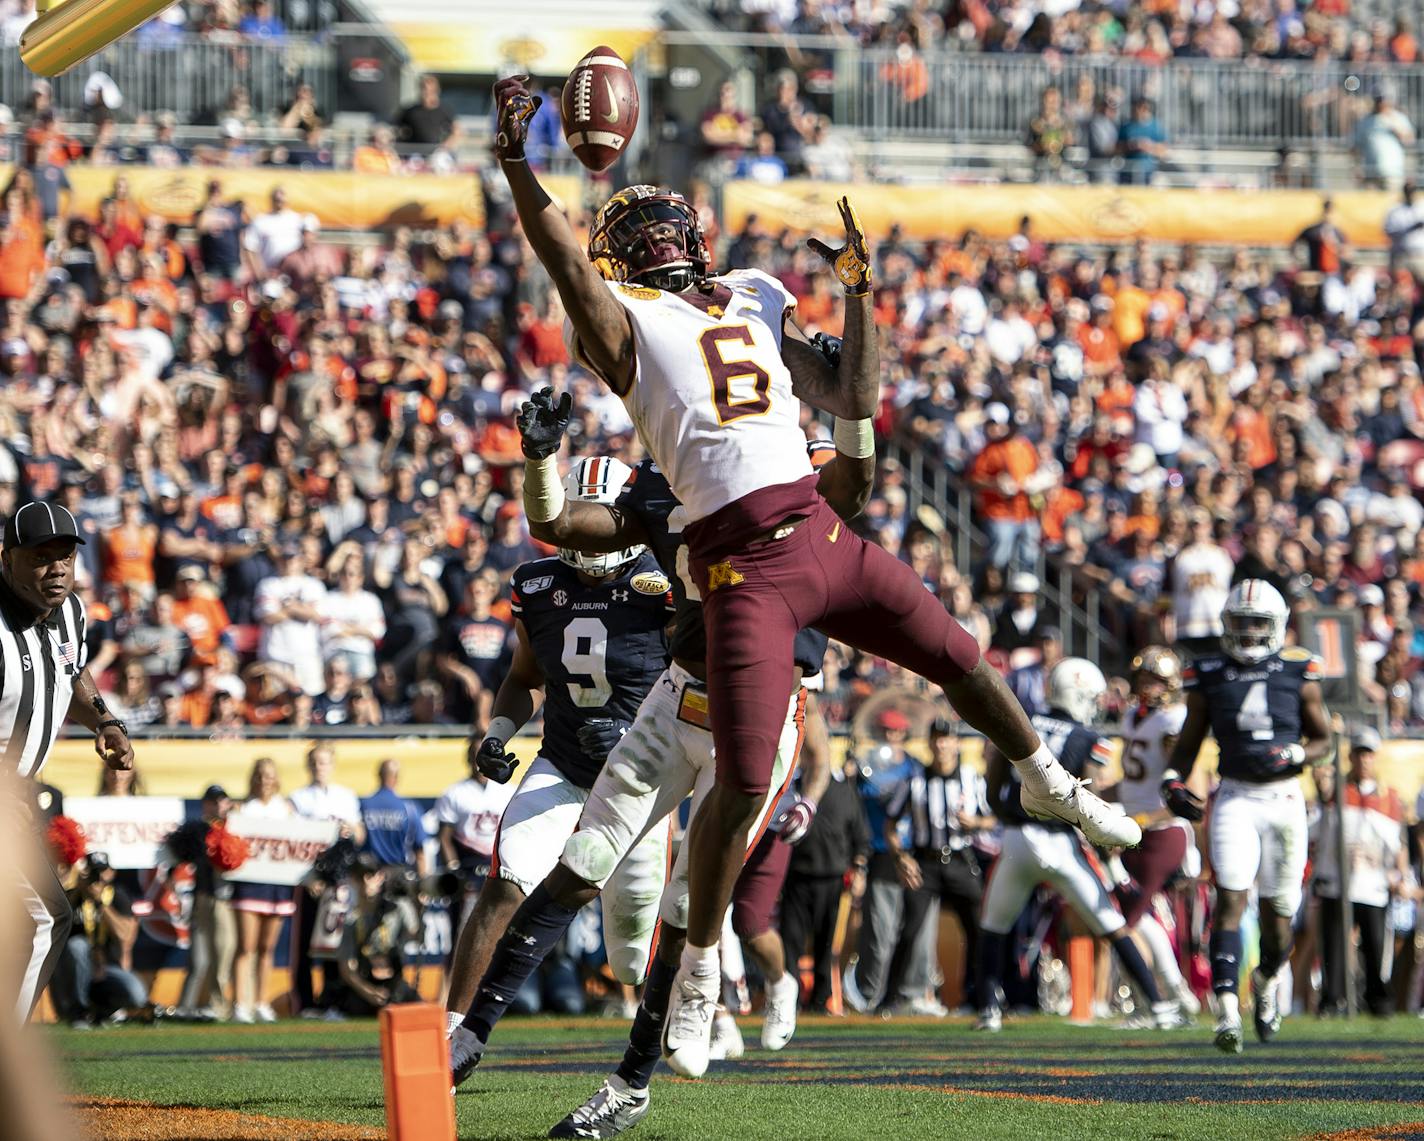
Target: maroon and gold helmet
1162,664
648,235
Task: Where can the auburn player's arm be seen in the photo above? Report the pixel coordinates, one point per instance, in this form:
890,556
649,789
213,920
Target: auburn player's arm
1315,722
590,528
520,695
605,336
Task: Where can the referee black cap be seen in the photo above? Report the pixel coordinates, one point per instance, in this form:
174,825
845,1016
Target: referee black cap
37,523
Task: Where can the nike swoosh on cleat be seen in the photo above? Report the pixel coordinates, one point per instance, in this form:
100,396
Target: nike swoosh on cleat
612,113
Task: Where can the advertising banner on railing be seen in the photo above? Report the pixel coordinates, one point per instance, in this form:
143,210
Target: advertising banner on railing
339,199
127,829
1060,213
282,851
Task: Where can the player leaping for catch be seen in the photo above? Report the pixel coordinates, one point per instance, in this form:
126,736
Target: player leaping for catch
1259,699
712,371
666,755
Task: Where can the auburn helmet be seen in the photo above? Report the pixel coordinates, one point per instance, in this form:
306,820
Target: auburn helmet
598,479
1163,664
649,235
1254,621
1076,686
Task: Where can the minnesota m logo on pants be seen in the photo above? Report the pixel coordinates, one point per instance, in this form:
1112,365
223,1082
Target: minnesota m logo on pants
723,574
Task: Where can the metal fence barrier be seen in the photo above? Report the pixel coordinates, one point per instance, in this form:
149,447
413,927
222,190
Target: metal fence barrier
972,98
192,77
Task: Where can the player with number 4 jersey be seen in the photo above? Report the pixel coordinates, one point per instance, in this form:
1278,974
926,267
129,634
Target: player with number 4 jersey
1262,702
591,642
713,370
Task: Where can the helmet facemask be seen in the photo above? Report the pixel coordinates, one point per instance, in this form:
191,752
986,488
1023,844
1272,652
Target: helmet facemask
1252,636
652,239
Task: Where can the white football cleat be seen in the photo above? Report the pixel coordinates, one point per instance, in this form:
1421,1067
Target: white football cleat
1267,1013
1190,1004
991,1020
779,1018
1069,800
1229,1039
1168,1015
687,1030
726,1044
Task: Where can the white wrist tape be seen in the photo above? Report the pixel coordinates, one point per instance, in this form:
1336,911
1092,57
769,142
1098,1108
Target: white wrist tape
543,490
501,729
855,438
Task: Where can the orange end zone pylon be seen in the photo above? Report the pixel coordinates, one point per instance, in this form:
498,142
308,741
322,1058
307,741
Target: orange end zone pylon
1081,957
415,1063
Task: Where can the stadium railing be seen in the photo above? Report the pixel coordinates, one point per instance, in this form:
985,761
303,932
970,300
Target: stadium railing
991,98
189,76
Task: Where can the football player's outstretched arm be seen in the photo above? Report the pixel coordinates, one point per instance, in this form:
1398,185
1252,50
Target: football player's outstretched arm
519,697
605,338
590,528
852,391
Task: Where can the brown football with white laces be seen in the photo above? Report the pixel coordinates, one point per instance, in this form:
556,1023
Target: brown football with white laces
600,108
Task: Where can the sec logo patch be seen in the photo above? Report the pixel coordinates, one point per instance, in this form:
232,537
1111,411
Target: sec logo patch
559,598
650,582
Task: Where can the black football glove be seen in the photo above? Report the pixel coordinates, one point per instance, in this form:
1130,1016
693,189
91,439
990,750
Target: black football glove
829,347
542,423
795,822
514,107
598,736
494,761
1181,800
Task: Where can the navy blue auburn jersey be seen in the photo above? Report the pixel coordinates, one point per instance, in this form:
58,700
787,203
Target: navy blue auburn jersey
601,647
1255,709
648,497
1077,748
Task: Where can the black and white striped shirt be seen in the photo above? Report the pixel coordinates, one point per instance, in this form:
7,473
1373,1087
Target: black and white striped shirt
934,802
39,663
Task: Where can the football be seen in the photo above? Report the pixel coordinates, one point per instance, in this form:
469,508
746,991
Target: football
600,108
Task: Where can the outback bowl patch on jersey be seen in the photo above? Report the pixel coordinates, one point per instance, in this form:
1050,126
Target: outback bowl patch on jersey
651,583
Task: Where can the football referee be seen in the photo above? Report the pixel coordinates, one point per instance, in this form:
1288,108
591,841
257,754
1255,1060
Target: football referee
43,679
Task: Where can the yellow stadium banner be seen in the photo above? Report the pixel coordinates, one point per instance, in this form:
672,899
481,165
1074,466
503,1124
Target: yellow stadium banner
339,199
431,765
1060,213
506,42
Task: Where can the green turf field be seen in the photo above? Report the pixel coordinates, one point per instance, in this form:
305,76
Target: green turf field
844,1078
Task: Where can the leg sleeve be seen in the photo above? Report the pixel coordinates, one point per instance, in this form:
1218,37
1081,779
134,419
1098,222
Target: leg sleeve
758,887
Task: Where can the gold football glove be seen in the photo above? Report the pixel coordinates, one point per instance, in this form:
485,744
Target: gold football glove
516,107
852,261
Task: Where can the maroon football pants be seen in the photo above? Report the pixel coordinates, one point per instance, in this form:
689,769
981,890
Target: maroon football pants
756,595
1151,864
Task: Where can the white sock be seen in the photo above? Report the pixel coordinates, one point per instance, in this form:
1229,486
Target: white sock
1230,1004
1042,768
734,963
701,962
1159,943
453,1022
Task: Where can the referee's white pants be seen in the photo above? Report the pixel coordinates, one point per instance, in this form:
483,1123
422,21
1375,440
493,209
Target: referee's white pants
1033,855
659,761
50,919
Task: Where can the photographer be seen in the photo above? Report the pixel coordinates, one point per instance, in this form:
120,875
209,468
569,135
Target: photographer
92,983
370,959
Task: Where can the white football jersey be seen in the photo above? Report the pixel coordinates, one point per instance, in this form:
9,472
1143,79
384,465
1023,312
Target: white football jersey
473,809
1201,581
1144,757
711,397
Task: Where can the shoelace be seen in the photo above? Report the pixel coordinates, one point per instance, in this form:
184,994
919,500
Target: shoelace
693,1013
